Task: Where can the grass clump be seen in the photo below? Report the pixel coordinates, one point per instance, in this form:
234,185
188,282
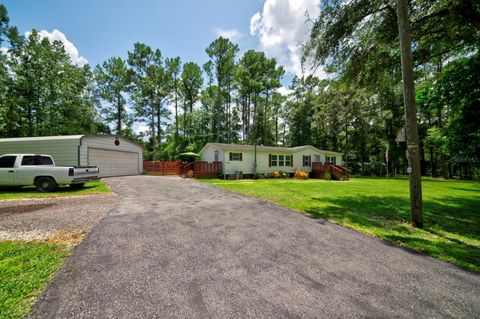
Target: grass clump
25,269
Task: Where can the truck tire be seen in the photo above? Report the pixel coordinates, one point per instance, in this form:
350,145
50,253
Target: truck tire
77,185
46,184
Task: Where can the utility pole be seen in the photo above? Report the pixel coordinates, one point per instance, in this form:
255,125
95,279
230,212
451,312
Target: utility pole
413,152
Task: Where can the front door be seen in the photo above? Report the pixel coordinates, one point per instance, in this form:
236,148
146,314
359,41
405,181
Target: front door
7,170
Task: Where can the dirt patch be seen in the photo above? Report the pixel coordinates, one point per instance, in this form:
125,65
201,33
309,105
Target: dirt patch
69,238
19,209
64,220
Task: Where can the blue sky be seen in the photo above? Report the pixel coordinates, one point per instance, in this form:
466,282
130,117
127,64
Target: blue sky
99,30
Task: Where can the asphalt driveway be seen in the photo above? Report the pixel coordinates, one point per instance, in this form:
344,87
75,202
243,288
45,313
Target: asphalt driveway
176,248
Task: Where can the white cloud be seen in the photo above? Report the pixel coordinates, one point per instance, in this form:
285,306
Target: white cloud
71,50
231,34
284,91
140,127
282,27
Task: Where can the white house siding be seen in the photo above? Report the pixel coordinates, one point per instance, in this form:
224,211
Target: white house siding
113,160
248,156
63,149
262,163
310,151
208,154
246,165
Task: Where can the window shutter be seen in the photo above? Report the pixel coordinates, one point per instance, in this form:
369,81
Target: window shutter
241,157
291,160
269,160
229,156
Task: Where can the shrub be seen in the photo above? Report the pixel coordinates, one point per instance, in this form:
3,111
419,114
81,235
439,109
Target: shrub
301,174
275,174
327,175
283,174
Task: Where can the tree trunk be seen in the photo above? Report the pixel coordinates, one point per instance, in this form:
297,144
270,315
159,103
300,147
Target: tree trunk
264,135
229,123
410,114
346,146
190,119
440,125
255,120
276,130
184,120
432,163
30,120
159,122
249,101
176,108
154,138
119,116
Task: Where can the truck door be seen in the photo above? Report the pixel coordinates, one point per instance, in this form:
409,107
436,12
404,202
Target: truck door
7,170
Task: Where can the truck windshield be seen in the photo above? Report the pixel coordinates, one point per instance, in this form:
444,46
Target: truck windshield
36,160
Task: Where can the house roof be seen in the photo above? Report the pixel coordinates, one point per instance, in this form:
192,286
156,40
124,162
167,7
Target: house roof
41,138
64,137
263,148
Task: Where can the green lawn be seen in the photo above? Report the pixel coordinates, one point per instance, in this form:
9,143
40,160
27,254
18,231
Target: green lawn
95,187
25,269
380,207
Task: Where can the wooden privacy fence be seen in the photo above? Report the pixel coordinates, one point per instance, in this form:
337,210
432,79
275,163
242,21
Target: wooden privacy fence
162,167
318,170
201,169
207,170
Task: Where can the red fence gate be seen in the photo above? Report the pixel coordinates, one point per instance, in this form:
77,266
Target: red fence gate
207,170
162,167
201,169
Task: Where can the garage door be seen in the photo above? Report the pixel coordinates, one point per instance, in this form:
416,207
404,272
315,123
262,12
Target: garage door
113,163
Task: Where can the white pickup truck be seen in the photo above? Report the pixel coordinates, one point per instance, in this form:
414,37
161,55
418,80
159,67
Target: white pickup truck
40,171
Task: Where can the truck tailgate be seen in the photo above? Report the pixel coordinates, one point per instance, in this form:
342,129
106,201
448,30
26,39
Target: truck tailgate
85,171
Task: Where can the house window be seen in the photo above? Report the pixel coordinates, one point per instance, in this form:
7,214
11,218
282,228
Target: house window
307,160
216,156
274,160
236,157
280,160
331,160
288,160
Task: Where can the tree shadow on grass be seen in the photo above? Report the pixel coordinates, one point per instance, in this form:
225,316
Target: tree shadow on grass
449,223
464,255
466,189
